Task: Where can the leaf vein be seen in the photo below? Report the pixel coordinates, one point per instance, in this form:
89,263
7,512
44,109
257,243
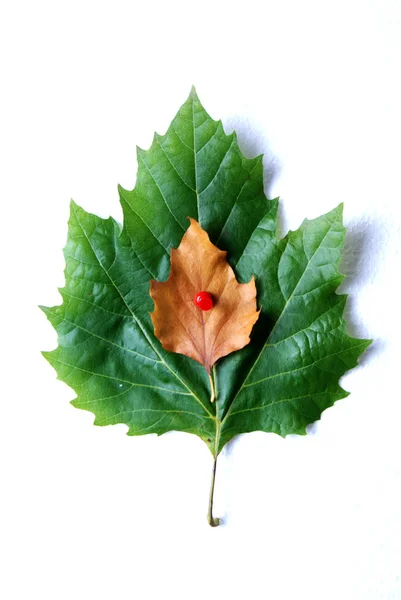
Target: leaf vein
219,168
161,194
171,163
235,202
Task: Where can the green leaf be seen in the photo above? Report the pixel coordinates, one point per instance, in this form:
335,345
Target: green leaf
107,352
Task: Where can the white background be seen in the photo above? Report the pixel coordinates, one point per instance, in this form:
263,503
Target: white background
88,513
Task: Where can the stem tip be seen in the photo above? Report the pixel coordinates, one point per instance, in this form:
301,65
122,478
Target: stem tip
213,521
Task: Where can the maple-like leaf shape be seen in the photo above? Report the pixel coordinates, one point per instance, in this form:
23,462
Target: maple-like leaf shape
182,327
107,351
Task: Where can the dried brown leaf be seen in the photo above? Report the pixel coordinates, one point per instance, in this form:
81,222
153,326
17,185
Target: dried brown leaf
197,265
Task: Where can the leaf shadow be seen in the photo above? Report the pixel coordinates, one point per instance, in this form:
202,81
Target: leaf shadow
253,142
364,238
360,262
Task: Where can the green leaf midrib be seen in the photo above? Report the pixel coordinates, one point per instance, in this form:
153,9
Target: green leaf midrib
195,164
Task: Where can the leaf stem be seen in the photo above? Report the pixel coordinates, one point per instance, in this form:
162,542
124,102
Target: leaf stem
213,522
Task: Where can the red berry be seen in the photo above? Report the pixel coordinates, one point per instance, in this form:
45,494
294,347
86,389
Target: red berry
204,300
